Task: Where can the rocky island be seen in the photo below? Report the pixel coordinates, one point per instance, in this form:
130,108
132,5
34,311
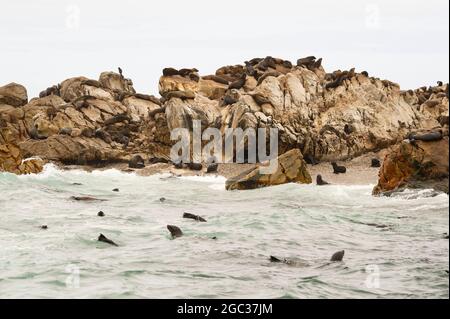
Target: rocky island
321,117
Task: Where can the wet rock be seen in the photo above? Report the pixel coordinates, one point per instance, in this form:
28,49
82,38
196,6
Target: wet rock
291,169
418,164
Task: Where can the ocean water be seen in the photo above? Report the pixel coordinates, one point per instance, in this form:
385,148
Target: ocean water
394,247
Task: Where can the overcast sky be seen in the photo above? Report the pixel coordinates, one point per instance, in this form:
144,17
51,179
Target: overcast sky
44,42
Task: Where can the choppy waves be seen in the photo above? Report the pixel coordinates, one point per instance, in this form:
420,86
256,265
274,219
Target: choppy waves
395,247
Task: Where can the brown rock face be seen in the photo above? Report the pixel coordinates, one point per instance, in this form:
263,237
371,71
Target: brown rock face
11,161
418,164
291,169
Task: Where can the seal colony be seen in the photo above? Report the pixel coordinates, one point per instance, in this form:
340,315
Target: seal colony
103,122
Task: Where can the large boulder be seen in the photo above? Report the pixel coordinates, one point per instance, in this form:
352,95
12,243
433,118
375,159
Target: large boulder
11,161
415,164
291,169
13,94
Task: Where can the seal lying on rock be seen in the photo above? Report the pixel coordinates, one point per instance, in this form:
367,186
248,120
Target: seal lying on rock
216,78
103,239
212,168
239,83
320,181
426,137
175,231
338,169
136,162
194,217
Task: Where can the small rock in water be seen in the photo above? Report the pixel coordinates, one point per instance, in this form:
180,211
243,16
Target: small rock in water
194,217
175,231
103,239
115,190
101,214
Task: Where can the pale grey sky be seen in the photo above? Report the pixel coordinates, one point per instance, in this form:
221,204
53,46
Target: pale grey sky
44,42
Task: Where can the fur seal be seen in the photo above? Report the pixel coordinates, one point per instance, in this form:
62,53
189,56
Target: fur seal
101,214
267,74
87,132
77,184
44,227
239,83
309,159
117,119
229,100
35,135
157,111
180,94
136,162
99,133
170,72
194,217
162,199
307,61
338,256
216,78
375,163
174,231
338,169
365,73
348,129
65,131
212,168
320,181
260,100
103,239
426,137
86,199
115,190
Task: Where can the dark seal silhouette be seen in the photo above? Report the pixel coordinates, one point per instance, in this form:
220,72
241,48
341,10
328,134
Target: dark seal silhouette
100,214
375,163
320,181
175,231
338,256
136,162
194,217
338,169
212,168
103,239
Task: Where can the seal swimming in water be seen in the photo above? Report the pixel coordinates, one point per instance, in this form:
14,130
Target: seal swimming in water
174,231
101,214
103,239
320,181
44,227
338,256
86,198
194,217
375,163
115,190
338,169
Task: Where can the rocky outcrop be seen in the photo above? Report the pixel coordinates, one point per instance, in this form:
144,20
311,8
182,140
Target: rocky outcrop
328,116
416,163
11,160
291,169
